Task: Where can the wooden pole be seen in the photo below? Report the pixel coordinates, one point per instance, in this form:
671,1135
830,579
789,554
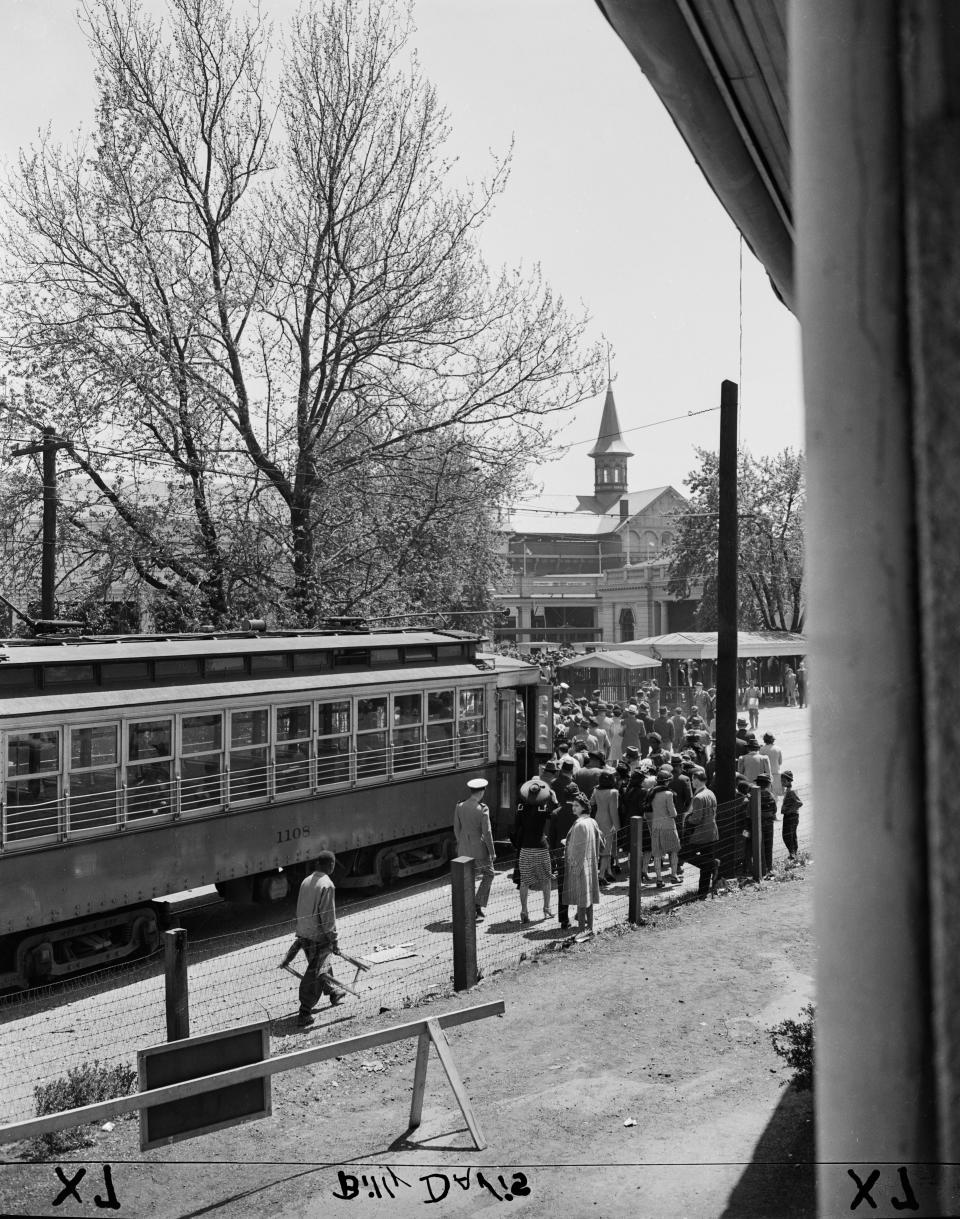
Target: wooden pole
175,977
725,778
636,871
464,923
756,835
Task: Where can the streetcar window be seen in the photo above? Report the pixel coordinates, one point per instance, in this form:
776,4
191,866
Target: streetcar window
447,651
311,662
407,731
419,651
440,716
201,762
269,662
94,781
248,754
293,748
386,656
172,670
219,666
471,726
333,742
149,769
351,658
17,677
124,672
67,675
371,737
32,785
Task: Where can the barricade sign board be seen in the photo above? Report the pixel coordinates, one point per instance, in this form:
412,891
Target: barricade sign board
176,1061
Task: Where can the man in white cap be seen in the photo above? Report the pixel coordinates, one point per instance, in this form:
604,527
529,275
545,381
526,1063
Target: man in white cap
471,825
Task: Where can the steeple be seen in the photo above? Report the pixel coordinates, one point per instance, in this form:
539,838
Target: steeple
610,453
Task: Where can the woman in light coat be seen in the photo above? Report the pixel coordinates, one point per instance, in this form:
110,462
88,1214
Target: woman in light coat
605,803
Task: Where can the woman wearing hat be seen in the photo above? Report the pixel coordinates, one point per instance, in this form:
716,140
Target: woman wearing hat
605,804
662,818
537,804
584,843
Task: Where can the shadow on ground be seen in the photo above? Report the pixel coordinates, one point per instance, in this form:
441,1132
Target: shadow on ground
780,1179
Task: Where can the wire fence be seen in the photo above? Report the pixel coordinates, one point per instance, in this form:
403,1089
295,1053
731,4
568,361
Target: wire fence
406,935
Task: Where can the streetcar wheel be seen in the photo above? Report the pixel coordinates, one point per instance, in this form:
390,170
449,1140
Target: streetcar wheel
240,889
388,865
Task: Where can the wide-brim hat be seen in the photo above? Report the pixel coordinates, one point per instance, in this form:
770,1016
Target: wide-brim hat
535,791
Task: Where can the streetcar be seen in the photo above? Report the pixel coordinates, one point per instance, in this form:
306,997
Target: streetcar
140,766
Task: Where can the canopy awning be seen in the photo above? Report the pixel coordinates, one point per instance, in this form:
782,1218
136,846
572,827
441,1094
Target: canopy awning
614,659
702,645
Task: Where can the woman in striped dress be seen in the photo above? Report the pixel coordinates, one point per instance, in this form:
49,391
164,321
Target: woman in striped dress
581,885
530,837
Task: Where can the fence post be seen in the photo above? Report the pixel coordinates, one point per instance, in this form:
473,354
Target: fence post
175,976
464,923
755,833
636,869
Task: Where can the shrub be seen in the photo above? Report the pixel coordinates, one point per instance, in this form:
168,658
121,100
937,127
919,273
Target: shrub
84,1085
793,1041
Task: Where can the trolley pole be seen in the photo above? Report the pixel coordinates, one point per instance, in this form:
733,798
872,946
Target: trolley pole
725,780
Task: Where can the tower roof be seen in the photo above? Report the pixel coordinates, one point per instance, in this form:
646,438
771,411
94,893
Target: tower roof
609,441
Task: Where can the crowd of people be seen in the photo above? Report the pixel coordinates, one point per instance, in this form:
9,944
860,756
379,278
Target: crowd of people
612,762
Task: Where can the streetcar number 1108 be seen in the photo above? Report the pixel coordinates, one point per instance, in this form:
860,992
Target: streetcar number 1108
298,831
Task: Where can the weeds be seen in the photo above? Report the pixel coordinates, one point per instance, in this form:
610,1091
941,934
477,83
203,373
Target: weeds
86,1084
793,1041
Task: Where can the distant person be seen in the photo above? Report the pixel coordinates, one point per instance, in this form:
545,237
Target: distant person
317,936
678,721
531,839
471,827
753,763
701,836
605,805
768,816
662,817
802,683
790,682
790,811
751,701
581,886
775,758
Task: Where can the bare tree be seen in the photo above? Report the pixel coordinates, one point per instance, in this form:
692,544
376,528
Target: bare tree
771,493
279,293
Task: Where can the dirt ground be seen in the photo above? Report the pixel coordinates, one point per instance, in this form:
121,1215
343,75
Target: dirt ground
630,1075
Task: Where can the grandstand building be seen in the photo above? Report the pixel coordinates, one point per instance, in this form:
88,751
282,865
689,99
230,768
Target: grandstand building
593,569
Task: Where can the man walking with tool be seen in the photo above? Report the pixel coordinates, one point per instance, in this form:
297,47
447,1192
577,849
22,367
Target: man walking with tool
317,936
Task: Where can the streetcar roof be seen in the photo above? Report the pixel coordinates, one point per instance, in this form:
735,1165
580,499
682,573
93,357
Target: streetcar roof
137,647
116,703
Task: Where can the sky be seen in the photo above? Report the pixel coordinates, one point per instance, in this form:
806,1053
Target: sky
604,195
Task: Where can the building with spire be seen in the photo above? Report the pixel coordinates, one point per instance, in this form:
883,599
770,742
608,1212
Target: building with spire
592,569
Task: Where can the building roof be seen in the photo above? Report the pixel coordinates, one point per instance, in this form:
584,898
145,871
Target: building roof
720,69
581,516
610,442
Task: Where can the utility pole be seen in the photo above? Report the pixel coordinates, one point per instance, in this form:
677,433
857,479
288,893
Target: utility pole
725,780
47,447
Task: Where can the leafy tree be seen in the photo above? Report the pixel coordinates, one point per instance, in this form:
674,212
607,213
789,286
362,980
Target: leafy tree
771,497
273,292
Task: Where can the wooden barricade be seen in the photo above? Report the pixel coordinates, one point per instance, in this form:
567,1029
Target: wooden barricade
429,1033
